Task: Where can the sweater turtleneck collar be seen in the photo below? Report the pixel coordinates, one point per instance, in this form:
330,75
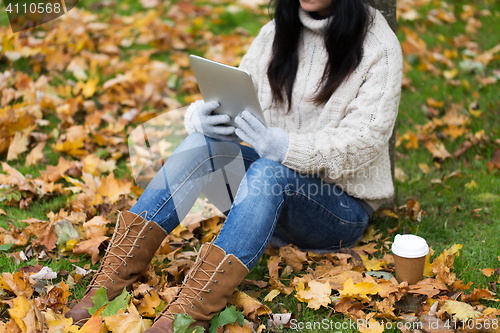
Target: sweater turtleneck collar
318,26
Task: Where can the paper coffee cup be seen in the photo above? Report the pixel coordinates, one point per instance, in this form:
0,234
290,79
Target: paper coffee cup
409,257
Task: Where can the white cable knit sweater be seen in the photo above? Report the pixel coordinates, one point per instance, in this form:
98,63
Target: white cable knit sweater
346,139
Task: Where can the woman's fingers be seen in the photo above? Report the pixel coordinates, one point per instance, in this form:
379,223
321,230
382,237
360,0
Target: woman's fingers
208,107
252,121
244,126
218,119
224,130
243,136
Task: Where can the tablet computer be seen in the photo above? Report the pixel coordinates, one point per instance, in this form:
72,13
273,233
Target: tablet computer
231,86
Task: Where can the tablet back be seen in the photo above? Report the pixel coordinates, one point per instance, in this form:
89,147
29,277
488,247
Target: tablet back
231,86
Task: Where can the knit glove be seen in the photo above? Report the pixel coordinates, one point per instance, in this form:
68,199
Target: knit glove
268,142
210,125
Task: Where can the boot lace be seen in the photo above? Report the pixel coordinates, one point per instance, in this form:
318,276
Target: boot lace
109,268
186,300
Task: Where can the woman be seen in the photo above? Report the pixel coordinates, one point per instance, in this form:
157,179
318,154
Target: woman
328,76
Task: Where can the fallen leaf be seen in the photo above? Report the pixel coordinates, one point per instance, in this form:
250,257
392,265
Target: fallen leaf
316,294
359,290
148,304
90,247
18,145
36,155
460,310
130,322
250,305
488,271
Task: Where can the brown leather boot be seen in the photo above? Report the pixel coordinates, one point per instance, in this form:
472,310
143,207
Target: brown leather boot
205,290
131,249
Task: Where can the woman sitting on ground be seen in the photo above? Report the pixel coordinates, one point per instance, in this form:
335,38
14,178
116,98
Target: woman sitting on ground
328,76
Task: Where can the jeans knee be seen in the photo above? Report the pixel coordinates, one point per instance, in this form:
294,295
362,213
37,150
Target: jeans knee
265,172
268,168
195,140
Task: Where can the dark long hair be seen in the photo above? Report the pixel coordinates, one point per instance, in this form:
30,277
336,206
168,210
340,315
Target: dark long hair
343,40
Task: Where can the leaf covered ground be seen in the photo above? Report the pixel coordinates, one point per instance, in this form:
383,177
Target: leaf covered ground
73,90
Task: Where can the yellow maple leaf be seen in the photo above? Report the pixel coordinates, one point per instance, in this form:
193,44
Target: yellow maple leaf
460,310
359,290
316,294
90,87
371,326
373,264
472,185
424,168
148,304
447,253
272,294
71,147
57,322
235,328
20,310
428,267
35,155
130,322
17,283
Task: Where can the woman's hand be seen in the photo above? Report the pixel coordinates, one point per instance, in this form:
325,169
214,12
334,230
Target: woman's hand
268,142
210,125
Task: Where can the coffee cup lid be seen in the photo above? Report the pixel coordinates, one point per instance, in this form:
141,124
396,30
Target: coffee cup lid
409,246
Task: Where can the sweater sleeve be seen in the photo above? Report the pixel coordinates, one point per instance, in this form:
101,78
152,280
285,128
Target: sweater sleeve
251,60
338,152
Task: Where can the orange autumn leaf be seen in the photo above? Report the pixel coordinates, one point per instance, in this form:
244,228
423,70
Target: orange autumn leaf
488,271
250,305
148,304
112,188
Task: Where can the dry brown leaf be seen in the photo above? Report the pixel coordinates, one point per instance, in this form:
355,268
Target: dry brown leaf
495,159
90,247
437,150
18,145
250,305
337,282
475,295
36,155
293,256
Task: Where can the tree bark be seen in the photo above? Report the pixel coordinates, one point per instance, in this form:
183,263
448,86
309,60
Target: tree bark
388,9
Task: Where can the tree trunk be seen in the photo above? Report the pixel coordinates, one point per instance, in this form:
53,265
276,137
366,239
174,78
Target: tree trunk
388,9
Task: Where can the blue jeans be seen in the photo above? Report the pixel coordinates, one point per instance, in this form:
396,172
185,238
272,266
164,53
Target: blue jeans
271,199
